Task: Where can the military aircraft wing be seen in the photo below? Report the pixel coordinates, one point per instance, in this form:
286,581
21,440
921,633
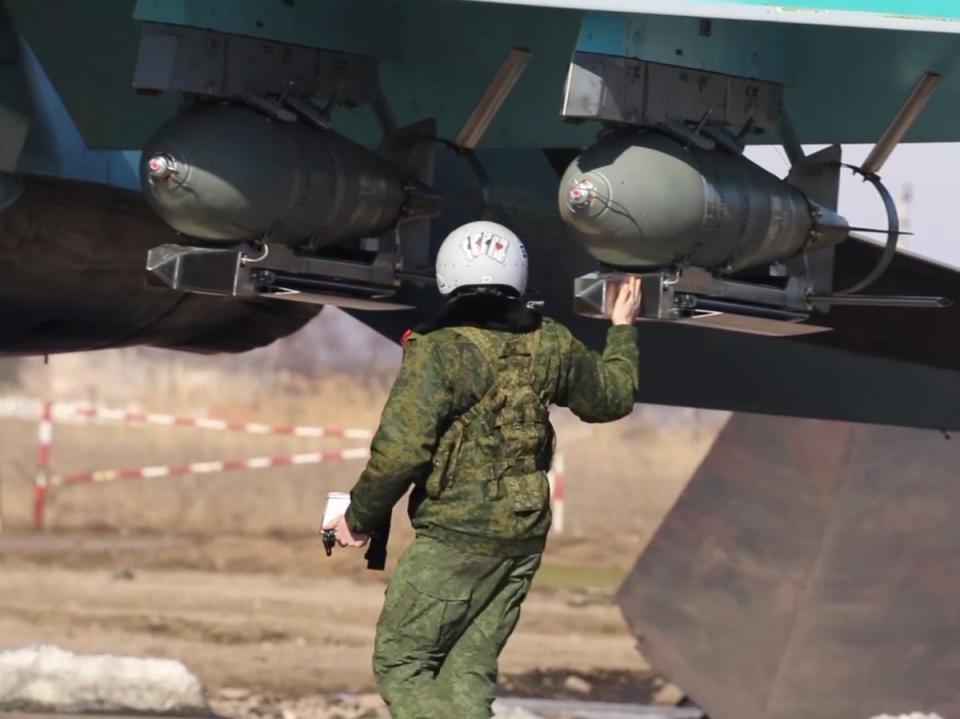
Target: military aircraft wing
844,65
920,15
181,116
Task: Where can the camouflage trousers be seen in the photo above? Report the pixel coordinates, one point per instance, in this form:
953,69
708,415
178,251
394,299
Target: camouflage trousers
446,617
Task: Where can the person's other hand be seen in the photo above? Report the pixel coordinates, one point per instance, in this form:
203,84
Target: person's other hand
346,538
627,304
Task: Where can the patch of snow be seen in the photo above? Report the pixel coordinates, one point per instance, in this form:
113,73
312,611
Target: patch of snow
502,711
42,677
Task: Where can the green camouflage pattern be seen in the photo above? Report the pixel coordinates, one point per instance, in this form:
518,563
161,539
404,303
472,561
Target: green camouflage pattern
490,467
446,617
481,484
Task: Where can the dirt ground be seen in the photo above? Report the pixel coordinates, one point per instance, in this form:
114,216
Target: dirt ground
303,628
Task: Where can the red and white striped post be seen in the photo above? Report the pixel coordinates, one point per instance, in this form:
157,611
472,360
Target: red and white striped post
44,448
556,493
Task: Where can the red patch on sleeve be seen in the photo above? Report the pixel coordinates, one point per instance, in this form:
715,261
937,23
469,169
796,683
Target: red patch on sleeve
404,337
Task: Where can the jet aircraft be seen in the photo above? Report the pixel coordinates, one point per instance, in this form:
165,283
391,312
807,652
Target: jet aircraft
343,140
205,175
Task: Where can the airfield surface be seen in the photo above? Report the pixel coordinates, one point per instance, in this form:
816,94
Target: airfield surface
262,620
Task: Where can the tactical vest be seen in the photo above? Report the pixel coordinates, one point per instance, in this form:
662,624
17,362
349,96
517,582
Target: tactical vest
489,472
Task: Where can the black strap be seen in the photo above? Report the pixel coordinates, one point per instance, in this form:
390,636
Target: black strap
376,554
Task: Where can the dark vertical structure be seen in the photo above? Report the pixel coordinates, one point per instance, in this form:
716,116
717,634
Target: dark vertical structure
810,569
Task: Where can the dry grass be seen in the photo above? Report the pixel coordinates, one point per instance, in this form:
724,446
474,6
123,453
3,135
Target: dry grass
621,478
284,499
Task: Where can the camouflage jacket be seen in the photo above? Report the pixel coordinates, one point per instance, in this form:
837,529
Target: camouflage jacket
444,374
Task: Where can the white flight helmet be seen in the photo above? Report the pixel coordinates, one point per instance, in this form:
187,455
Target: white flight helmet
481,253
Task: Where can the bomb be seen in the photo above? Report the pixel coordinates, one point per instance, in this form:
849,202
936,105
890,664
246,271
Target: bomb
647,201
228,173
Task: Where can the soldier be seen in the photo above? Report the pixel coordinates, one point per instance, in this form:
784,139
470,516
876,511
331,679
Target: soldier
466,425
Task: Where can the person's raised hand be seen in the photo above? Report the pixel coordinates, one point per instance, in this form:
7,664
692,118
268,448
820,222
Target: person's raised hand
345,537
627,304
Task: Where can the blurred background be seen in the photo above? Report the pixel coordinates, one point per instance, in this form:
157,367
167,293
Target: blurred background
620,478
226,571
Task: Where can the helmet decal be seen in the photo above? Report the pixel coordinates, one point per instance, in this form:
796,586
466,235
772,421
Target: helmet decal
481,253
497,248
485,243
472,246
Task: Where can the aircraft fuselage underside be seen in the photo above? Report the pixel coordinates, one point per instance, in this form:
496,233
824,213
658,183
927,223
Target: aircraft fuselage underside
294,163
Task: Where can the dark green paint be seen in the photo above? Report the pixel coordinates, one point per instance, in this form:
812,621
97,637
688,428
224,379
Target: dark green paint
843,84
437,56
759,50
89,50
364,27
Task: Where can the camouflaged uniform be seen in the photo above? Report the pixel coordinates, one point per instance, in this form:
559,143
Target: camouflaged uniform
466,425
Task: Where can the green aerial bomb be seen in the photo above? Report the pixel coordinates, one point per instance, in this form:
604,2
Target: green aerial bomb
220,172
647,200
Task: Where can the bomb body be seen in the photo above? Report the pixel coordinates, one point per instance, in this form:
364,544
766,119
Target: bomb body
223,172
645,200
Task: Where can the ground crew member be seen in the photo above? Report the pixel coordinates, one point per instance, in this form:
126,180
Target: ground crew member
466,425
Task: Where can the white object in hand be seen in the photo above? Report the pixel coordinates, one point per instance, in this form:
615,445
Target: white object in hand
337,503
